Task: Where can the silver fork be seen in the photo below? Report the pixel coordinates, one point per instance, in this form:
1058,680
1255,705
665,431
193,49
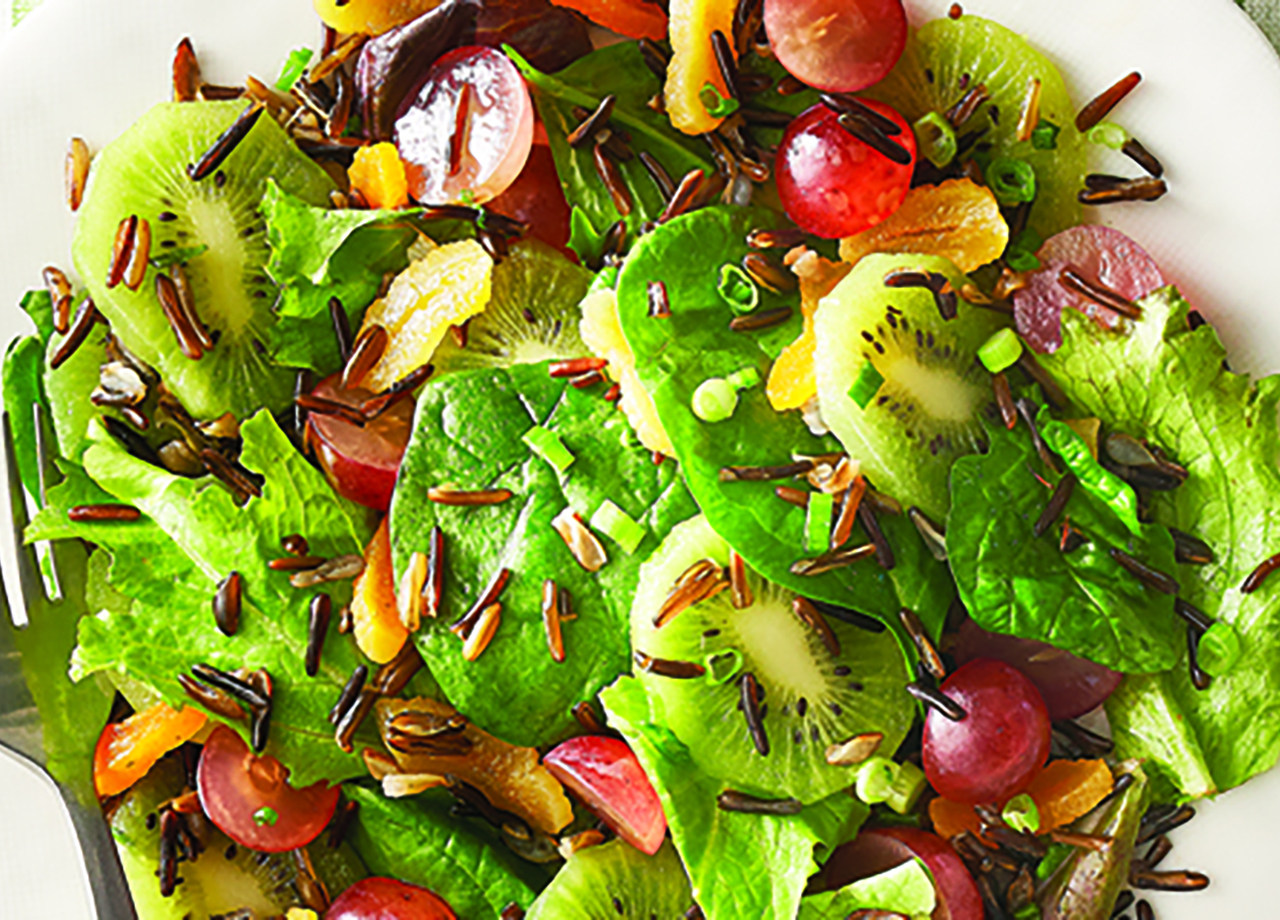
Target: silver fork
19,720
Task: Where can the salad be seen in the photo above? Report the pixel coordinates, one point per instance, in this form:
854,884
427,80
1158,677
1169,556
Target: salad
547,562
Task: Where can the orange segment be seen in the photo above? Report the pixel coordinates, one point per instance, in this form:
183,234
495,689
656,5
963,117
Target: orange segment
950,818
370,17
632,18
693,62
791,381
1067,789
957,220
375,618
378,174
443,288
126,750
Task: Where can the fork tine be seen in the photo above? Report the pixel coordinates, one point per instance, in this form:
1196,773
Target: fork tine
49,476
29,582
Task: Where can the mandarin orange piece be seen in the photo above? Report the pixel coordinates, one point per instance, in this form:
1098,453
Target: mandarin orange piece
378,174
957,220
693,61
791,380
126,750
370,17
950,818
375,617
632,18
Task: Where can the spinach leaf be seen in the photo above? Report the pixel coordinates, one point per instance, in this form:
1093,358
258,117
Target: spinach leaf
740,865
321,253
467,434
1166,382
193,536
463,860
1081,601
617,70
674,356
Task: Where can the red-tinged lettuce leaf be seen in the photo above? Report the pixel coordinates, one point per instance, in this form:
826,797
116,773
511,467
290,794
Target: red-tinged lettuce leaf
170,562
1168,383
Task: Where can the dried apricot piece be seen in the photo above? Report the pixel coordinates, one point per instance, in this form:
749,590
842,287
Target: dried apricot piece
791,379
370,17
957,220
378,174
127,749
375,618
1067,789
950,818
444,287
693,63
632,18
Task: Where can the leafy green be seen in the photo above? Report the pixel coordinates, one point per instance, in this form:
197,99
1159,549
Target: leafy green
23,390
321,253
617,70
467,433
39,306
674,356
740,865
907,888
464,861
193,536
616,879
1014,582
1167,383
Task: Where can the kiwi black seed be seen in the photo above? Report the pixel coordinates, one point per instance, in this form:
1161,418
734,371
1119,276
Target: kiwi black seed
532,314
615,881
804,697
214,227
926,411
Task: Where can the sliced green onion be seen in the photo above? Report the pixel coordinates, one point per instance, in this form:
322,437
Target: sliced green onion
1020,260
717,106
265,816
1022,814
616,524
1044,136
294,67
744,379
1108,134
874,782
1219,648
908,783
1012,181
1028,239
547,445
1028,912
467,197
817,522
1001,351
936,139
866,385
167,257
1057,855
723,666
714,400
738,290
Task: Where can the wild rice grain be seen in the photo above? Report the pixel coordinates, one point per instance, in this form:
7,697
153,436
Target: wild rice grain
464,625
341,823
1145,911
295,544
1057,502
659,304
968,104
1193,615
183,329
60,295
168,872
596,120
368,350
614,182
214,700
323,405
1200,679
664,667
587,718
229,683
433,587
701,581
1030,116
936,700
725,62
749,691
1004,400
223,147
761,319
1134,150
682,198
1179,880
1152,578
739,588
927,651
775,239
295,563
1190,550
854,751
337,568
1260,574
1098,107
97,513
121,250
1144,189
732,800
464,498
353,718
661,178
136,268
1099,293
810,616
833,560
319,614
551,620
350,691
1033,369
765,473
478,638
576,366
766,274
585,546
227,604
76,172
844,104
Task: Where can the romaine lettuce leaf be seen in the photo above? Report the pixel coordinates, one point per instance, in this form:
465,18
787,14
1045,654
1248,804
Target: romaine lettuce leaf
1014,582
1168,383
468,433
675,355
740,865
171,561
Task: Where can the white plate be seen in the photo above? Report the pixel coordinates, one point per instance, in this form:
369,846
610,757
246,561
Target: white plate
1209,106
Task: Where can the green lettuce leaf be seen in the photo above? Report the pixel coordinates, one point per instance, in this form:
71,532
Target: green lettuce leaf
674,356
419,841
467,433
740,865
1082,601
321,253
193,536
618,70
907,889
1167,383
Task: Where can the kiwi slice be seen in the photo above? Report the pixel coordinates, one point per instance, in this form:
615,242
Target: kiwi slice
946,58
811,695
223,878
615,881
532,314
925,412
216,225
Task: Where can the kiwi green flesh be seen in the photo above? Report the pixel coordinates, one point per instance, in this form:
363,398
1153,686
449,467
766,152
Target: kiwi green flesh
223,878
962,53
926,413
615,881
536,278
811,698
143,173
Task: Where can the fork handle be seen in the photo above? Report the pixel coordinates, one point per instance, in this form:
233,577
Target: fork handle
111,900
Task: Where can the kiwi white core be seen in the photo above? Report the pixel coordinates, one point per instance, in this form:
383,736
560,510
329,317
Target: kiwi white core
770,636
224,265
936,389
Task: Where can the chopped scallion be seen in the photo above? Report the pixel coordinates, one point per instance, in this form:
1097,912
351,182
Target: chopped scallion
817,522
1001,351
265,816
936,139
738,290
874,781
714,400
1044,136
547,445
744,379
619,526
908,783
866,385
1021,813
724,665
1012,181
1219,648
1021,260
1108,134
717,106
294,67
